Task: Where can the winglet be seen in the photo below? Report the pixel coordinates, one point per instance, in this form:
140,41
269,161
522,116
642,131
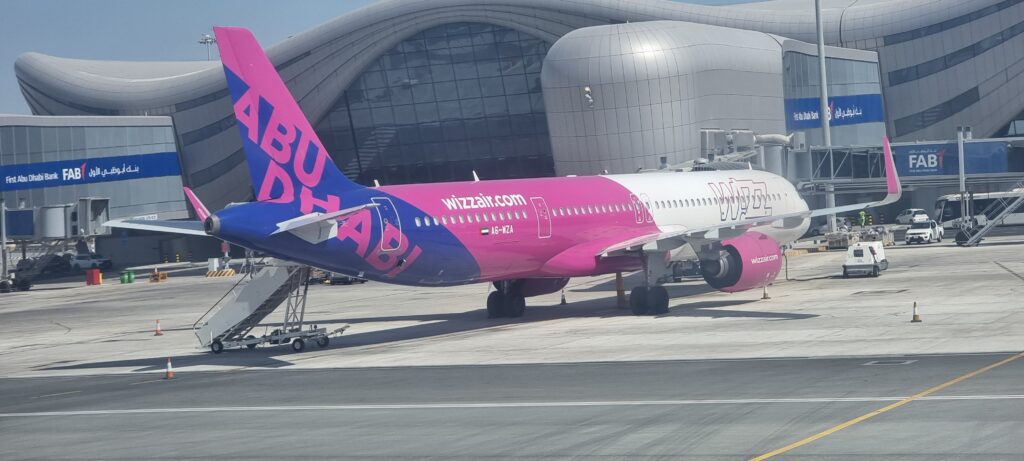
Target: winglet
894,190
201,212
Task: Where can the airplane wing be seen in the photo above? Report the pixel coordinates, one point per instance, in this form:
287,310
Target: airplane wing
673,238
171,227
316,227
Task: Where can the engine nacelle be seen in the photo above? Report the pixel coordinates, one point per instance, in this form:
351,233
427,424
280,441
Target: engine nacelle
751,260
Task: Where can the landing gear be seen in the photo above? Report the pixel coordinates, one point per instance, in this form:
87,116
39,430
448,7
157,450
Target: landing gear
649,300
506,302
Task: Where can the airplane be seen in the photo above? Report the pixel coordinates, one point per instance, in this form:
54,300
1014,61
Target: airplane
526,236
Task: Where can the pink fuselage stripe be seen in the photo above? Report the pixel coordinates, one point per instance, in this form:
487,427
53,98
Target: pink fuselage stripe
519,248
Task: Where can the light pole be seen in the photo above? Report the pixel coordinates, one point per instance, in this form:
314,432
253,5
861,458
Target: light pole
830,195
208,40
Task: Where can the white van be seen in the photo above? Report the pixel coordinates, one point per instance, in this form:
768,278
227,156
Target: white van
865,258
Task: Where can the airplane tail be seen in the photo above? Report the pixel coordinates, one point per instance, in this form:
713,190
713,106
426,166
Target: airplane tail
287,161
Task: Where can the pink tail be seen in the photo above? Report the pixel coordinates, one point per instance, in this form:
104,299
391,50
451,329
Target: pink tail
286,159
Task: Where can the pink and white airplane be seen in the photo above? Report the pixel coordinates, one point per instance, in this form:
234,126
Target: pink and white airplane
526,236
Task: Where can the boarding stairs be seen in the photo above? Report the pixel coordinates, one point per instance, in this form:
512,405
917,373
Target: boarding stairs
999,210
42,257
229,322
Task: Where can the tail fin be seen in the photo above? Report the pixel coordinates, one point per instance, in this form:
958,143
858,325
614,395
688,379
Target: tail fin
286,159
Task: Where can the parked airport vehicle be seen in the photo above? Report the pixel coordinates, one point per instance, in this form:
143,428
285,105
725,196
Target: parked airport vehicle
911,215
865,258
90,261
983,206
924,232
526,236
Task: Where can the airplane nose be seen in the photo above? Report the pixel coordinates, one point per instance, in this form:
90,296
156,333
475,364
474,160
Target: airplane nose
212,225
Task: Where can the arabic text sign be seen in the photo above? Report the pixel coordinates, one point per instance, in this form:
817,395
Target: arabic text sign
87,171
802,114
942,159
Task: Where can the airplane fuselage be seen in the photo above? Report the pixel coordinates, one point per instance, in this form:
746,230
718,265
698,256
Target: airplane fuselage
480,231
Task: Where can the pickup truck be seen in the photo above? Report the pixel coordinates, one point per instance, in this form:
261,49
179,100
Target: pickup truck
924,232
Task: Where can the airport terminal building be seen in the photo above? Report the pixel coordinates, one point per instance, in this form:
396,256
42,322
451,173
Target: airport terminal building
431,90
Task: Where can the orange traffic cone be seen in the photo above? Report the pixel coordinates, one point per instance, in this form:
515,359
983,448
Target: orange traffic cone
159,332
917,317
170,370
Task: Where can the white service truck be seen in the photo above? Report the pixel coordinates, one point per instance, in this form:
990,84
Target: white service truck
924,232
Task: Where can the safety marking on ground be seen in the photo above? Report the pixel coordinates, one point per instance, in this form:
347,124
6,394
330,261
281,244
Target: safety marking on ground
55,395
923,395
150,381
1007,269
472,405
889,362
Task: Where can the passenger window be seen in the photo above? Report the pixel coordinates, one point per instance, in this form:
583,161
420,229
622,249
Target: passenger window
477,217
493,217
444,220
485,217
426,221
461,220
525,216
418,222
436,222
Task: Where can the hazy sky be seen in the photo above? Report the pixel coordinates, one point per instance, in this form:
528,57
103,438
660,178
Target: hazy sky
148,30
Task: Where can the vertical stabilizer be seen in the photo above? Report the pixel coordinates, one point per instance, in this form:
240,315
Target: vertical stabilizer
287,161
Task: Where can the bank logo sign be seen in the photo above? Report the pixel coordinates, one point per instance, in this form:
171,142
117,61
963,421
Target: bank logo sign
804,113
942,159
87,171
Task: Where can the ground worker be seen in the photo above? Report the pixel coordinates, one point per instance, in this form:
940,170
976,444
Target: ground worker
863,218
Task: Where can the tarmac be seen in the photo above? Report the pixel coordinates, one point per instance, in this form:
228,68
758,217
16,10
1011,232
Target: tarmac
423,373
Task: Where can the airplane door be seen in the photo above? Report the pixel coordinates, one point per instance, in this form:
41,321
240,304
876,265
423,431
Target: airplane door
390,225
648,209
540,208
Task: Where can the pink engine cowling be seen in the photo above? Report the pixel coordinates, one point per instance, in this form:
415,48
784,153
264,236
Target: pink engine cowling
751,260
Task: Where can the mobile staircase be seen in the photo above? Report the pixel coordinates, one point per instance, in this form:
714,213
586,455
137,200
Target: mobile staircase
999,210
229,322
42,259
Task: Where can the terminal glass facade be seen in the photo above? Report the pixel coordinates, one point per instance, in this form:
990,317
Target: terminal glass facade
445,102
132,151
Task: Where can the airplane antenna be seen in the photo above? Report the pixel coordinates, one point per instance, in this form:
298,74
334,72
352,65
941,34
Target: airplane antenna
475,177
376,183
749,167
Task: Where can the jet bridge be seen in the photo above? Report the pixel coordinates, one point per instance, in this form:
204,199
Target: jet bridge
231,320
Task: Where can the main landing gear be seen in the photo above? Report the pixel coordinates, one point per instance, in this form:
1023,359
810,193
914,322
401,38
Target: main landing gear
506,301
651,298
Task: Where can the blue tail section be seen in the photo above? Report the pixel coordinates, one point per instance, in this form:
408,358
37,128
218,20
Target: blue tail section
287,161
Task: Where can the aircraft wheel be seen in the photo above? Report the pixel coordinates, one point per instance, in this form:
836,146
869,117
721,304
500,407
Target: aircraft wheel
216,347
298,345
495,301
657,300
515,307
323,341
250,346
638,300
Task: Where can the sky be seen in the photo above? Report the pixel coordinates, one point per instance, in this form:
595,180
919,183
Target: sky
148,30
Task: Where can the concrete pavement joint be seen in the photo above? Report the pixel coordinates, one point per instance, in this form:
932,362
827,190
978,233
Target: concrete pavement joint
494,405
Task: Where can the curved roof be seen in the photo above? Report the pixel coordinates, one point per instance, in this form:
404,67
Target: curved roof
354,40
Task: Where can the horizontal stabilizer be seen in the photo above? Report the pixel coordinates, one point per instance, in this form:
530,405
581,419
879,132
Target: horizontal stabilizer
317,227
171,227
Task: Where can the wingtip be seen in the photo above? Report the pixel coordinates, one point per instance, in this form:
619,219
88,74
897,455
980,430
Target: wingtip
892,178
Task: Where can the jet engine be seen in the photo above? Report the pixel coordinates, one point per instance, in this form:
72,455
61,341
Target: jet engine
751,260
